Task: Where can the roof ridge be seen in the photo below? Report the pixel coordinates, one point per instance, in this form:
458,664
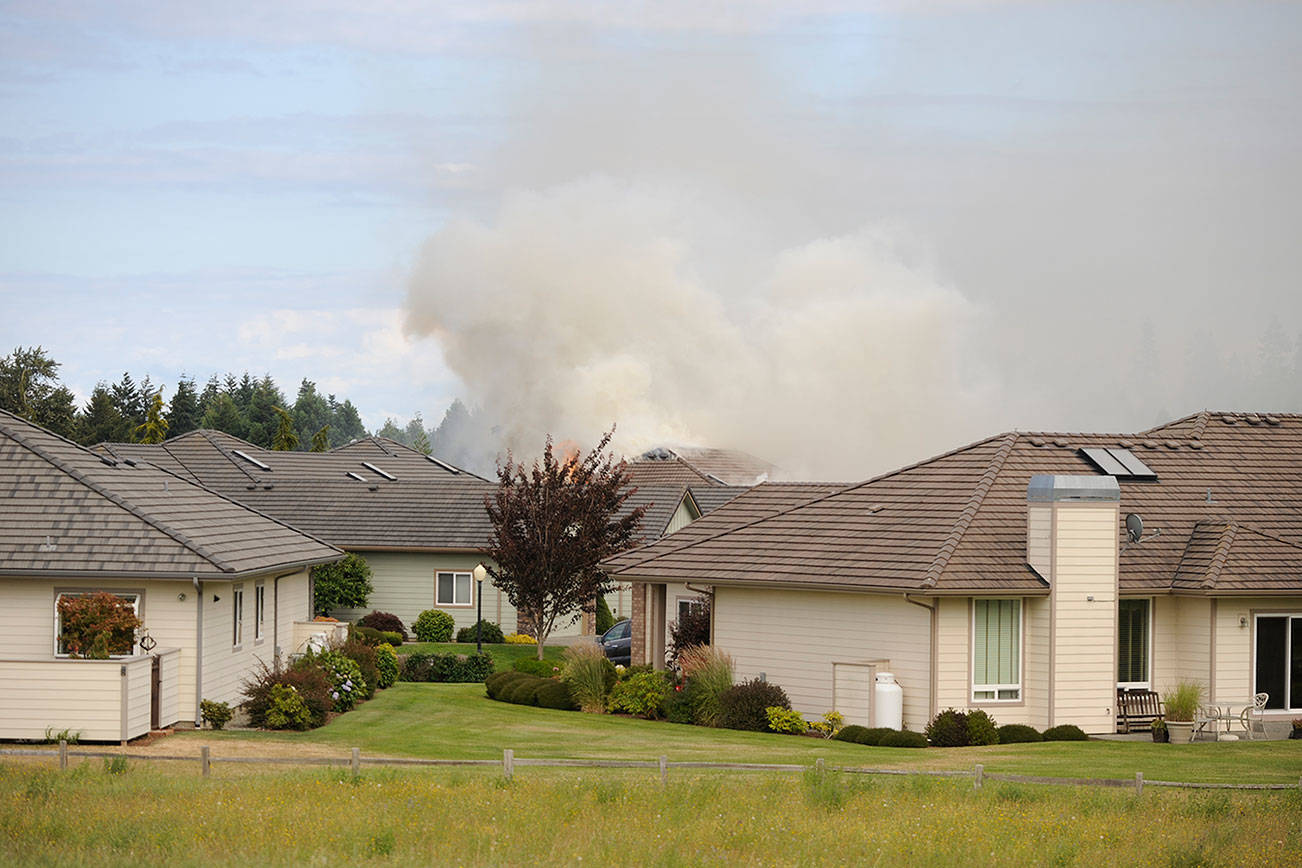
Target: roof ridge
1221,554
115,498
969,512
1200,426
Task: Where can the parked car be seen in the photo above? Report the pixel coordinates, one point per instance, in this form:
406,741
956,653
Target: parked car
617,642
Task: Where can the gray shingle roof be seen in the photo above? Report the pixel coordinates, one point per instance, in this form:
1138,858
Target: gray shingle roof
956,523
343,496
67,511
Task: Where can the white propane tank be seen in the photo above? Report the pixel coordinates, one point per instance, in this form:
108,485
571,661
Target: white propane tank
888,702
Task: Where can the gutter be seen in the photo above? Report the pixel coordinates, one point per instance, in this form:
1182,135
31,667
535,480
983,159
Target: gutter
172,576
931,667
845,589
198,656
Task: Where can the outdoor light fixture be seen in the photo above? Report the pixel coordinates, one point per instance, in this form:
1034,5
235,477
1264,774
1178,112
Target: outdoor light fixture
181,597
479,572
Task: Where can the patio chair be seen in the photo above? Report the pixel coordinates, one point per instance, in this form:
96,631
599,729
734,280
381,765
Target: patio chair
1208,719
1252,718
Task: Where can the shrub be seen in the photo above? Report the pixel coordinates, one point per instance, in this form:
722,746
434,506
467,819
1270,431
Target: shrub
709,673
346,683
451,668
345,584
642,695
691,628
981,728
364,656
743,706
392,637
1018,733
492,634
851,733
830,725
678,706
308,681
785,720
948,729
519,639
433,625
541,668
96,625
604,620
873,735
589,674
903,738
1065,732
215,714
556,694
496,684
366,634
386,665
384,622
286,709
524,691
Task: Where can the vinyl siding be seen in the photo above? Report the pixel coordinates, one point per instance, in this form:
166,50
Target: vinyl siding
1181,647
1039,544
1235,645
1085,631
954,661
794,637
681,518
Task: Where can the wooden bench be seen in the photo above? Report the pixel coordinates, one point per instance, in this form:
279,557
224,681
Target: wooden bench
1137,709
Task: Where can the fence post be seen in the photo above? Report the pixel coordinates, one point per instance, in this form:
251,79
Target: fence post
664,770
508,763
356,763
204,762
980,773
819,768
1139,783
63,753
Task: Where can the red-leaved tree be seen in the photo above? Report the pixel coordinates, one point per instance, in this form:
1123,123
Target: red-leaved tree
553,524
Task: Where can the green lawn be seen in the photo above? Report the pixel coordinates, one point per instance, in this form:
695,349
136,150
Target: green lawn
503,655
458,721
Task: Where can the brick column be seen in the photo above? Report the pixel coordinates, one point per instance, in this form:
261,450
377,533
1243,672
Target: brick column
638,650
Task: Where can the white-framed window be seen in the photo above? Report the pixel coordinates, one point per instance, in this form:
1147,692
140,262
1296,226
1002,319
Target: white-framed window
1134,643
996,650
453,589
1277,659
130,596
237,615
259,610
688,605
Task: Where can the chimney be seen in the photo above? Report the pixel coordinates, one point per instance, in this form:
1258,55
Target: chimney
1072,542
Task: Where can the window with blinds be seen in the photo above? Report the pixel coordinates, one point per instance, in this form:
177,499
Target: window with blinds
1132,643
453,589
996,650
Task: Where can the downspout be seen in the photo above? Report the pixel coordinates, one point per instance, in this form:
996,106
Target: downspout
198,652
931,663
275,608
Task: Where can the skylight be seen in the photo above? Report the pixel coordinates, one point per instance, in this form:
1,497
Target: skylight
249,458
371,467
1120,463
356,476
448,467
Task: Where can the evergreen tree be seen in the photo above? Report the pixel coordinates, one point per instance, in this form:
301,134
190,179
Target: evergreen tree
244,394
183,412
129,402
391,430
414,434
223,415
261,413
321,439
311,412
154,428
211,390
286,440
420,442
346,423
101,422
29,387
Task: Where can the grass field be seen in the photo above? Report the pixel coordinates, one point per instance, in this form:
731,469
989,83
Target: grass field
154,816
458,721
503,655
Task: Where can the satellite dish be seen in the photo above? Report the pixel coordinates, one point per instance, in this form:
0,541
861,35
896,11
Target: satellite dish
1134,527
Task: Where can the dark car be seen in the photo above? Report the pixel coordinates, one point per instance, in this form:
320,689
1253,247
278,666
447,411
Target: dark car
617,642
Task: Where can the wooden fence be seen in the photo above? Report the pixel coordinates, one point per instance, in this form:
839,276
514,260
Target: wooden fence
510,761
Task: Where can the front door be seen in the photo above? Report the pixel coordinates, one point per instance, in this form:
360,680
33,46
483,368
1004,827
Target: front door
1279,660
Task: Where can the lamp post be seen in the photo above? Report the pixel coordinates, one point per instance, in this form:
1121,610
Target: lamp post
479,572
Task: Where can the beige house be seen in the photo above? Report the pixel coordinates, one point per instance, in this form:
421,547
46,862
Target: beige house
1002,575
219,589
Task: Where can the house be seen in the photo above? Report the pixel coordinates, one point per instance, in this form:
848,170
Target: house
1010,575
219,587
419,522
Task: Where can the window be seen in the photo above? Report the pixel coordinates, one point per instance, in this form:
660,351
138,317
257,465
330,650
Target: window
1132,643
1278,665
259,610
60,650
453,589
688,607
996,650
237,596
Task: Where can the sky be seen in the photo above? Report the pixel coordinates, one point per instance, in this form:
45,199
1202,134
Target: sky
840,235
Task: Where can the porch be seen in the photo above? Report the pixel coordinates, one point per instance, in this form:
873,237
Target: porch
98,700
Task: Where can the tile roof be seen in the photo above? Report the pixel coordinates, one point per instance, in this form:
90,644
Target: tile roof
956,523
67,511
698,466
344,496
